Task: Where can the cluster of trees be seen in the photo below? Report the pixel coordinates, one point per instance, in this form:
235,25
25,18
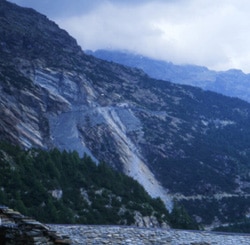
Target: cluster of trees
229,210
90,193
240,227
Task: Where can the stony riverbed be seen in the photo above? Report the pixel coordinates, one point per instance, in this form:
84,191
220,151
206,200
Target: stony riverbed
119,235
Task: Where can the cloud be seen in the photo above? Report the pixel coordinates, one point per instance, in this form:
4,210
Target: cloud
203,32
60,8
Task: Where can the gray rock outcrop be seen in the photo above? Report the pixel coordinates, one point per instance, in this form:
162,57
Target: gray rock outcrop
17,229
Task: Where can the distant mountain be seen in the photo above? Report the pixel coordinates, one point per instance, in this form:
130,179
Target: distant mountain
180,142
233,83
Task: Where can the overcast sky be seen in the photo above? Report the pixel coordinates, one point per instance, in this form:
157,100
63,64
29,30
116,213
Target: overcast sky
212,33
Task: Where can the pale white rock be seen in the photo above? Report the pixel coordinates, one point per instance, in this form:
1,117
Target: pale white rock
58,193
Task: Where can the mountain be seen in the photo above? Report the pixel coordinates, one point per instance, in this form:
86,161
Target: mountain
233,83
180,142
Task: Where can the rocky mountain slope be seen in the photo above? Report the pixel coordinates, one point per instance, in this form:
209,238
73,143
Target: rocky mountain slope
179,142
233,83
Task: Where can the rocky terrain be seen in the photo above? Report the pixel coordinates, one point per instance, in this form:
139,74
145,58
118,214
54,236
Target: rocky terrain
16,229
177,141
142,236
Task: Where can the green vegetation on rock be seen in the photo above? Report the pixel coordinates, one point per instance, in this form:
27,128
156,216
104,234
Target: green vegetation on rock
61,187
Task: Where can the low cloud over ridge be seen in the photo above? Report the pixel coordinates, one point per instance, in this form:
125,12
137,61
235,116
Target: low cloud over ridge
203,32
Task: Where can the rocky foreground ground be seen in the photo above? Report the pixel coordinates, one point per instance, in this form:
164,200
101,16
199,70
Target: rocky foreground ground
146,236
16,229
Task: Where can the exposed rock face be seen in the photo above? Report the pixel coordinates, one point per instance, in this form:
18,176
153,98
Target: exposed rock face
57,194
148,221
16,229
171,138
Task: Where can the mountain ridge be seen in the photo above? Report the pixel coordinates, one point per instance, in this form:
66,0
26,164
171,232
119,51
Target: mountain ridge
233,82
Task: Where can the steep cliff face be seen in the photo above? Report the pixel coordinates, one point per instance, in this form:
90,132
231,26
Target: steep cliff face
173,139
91,123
